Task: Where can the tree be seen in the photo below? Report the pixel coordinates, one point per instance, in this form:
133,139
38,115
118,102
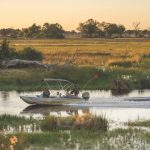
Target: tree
32,31
9,32
136,26
121,29
90,28
114,29
53,30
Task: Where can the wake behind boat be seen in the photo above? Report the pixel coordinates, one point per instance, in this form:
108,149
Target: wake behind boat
137,99
67,93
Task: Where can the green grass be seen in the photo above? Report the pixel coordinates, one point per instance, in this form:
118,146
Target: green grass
111,140
82,138
30,79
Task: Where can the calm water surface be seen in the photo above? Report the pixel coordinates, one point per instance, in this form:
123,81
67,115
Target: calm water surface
115,108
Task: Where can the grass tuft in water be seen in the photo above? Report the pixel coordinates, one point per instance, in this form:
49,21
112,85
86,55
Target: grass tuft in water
85,122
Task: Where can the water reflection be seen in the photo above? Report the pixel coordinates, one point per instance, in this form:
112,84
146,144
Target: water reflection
48,110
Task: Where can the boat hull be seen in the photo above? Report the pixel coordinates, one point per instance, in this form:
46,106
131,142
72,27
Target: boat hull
50,101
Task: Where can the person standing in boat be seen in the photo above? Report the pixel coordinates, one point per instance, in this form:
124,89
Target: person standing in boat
46,93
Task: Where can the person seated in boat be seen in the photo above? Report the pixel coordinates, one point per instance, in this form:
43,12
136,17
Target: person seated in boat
46,93
75,91
58,94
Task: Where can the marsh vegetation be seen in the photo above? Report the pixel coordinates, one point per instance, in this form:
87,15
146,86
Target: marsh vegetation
123,61
79,138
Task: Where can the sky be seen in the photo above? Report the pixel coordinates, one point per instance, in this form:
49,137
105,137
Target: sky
69,13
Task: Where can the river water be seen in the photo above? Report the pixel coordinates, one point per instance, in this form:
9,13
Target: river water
114,108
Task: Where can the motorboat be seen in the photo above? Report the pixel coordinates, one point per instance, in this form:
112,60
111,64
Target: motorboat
66,93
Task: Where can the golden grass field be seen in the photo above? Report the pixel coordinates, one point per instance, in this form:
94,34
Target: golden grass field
88,52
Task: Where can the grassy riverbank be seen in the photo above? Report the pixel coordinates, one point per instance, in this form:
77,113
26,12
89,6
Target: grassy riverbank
110,78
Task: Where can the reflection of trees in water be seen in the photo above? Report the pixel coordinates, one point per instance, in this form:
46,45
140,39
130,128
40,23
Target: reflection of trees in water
5,95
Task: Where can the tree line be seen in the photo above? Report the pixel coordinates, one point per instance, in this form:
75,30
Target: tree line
88,29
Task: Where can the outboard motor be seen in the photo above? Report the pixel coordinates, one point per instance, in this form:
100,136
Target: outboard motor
86,96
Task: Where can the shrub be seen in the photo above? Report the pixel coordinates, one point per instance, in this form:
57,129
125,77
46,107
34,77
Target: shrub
5,51
29,53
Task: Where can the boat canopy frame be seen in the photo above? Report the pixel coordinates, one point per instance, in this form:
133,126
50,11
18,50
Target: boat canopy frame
64,87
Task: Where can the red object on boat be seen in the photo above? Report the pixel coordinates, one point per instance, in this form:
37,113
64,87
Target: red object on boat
97,75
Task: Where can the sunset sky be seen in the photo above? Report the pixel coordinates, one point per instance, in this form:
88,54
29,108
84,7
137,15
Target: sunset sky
22,13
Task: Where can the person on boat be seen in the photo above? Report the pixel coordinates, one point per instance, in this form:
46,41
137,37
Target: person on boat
75,91
46,93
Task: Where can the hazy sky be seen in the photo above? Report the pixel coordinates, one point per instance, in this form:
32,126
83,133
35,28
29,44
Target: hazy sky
22,13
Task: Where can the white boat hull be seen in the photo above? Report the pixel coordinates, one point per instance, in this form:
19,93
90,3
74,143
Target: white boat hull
50,101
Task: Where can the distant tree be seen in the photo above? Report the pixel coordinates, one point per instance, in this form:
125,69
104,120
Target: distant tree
4,32
114,29
90,28
10,33
121,29
32,31
136,26
52,30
